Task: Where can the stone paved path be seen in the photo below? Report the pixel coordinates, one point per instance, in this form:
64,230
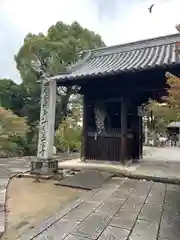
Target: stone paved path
164,154
8,168
158,164
122,209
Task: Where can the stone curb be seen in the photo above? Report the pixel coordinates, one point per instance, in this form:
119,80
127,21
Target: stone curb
3,197
167,180
33,176
104,168
132,174
2,210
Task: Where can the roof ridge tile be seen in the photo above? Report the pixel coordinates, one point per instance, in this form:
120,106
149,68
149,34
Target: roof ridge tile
126,47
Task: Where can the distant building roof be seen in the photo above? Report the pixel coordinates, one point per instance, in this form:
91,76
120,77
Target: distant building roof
134,56
174,125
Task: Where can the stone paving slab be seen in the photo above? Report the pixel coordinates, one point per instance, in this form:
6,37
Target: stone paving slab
171,214
124,219
86,180
60,229
144,230
110,206
92,226
73,237
152,208
130,210
114,233
81,212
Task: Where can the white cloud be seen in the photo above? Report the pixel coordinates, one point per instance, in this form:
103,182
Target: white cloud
35,16
139,24
116,24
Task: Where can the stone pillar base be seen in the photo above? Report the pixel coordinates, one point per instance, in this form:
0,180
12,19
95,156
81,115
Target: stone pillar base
44,167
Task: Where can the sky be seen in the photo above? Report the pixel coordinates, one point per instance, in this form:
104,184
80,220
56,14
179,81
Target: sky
117,21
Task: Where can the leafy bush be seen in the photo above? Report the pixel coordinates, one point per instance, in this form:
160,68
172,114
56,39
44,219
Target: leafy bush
13,130
68,136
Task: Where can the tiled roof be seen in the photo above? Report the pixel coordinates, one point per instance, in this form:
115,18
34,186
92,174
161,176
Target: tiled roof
141,55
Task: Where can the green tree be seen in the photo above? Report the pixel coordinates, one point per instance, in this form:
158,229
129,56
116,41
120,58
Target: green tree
169,111
173,97
48,55
11,96
68,136
161,115
13,130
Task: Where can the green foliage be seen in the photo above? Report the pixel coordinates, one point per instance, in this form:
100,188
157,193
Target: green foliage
13,130
11,96
162,115
173,98
68,136
48,55
43,56
170,110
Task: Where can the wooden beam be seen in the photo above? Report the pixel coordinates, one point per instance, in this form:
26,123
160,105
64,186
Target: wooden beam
125,91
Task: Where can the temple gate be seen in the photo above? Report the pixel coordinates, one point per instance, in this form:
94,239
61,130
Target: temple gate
114,82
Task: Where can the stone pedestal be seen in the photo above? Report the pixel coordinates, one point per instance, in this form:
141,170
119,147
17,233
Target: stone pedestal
46,167
45,163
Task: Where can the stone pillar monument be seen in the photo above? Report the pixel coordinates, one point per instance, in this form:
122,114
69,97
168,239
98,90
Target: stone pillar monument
45,164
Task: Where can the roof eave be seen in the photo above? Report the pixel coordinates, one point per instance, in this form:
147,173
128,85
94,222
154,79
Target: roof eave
66,80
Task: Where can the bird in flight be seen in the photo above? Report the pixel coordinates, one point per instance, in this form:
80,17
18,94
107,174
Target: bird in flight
150,8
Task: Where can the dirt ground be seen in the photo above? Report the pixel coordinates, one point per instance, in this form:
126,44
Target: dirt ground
29,203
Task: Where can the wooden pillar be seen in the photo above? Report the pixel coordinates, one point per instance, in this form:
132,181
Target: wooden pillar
141,136
123,153
136,139
85,129
137,122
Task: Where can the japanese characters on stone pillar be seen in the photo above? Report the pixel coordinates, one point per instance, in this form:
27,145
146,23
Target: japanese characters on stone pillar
45,163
